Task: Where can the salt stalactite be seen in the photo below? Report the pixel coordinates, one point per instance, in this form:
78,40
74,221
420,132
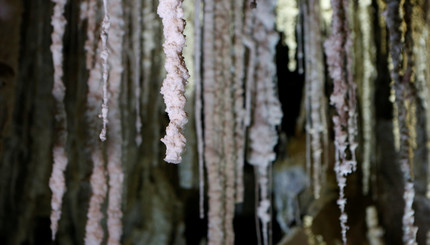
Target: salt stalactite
90,43
267,113
211,136
375,234
114,151
105,56
304,41
314,78
300,41
337,48
94,233
173,88
250,70
224,81
286,16
149,22
239,98
420,33
367,89
401,74
198,102
136,43
57,180
352,88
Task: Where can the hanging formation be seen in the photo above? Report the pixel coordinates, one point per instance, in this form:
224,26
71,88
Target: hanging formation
237,110
57,182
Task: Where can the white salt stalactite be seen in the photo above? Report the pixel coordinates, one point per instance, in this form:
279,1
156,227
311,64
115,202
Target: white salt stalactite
198,103
211,136
367,90
114,150
223,78
267,113
149,26
105,56
352,87
173,88
90,43
57,180
337,48
250,67
409,230
315,90
94,233
136,43
239,109
286,18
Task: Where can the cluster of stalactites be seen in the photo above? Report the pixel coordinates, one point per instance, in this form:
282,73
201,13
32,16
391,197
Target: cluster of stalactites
339,59
223,100
267,112
104,65
230,86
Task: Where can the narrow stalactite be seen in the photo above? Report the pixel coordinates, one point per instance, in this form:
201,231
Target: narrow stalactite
239,98
90,44
338,50
224,79
420,32
148,46
94,233
57,181
267,112
367,90
198,102
401,50
224,62
105,56
286,20
137,51
173,88
114,145
315,97
211,137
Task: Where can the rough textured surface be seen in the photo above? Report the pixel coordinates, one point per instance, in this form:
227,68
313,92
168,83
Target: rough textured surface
401,74
114,133
156,209
57,182
338,51
173,88
267,114
211,94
